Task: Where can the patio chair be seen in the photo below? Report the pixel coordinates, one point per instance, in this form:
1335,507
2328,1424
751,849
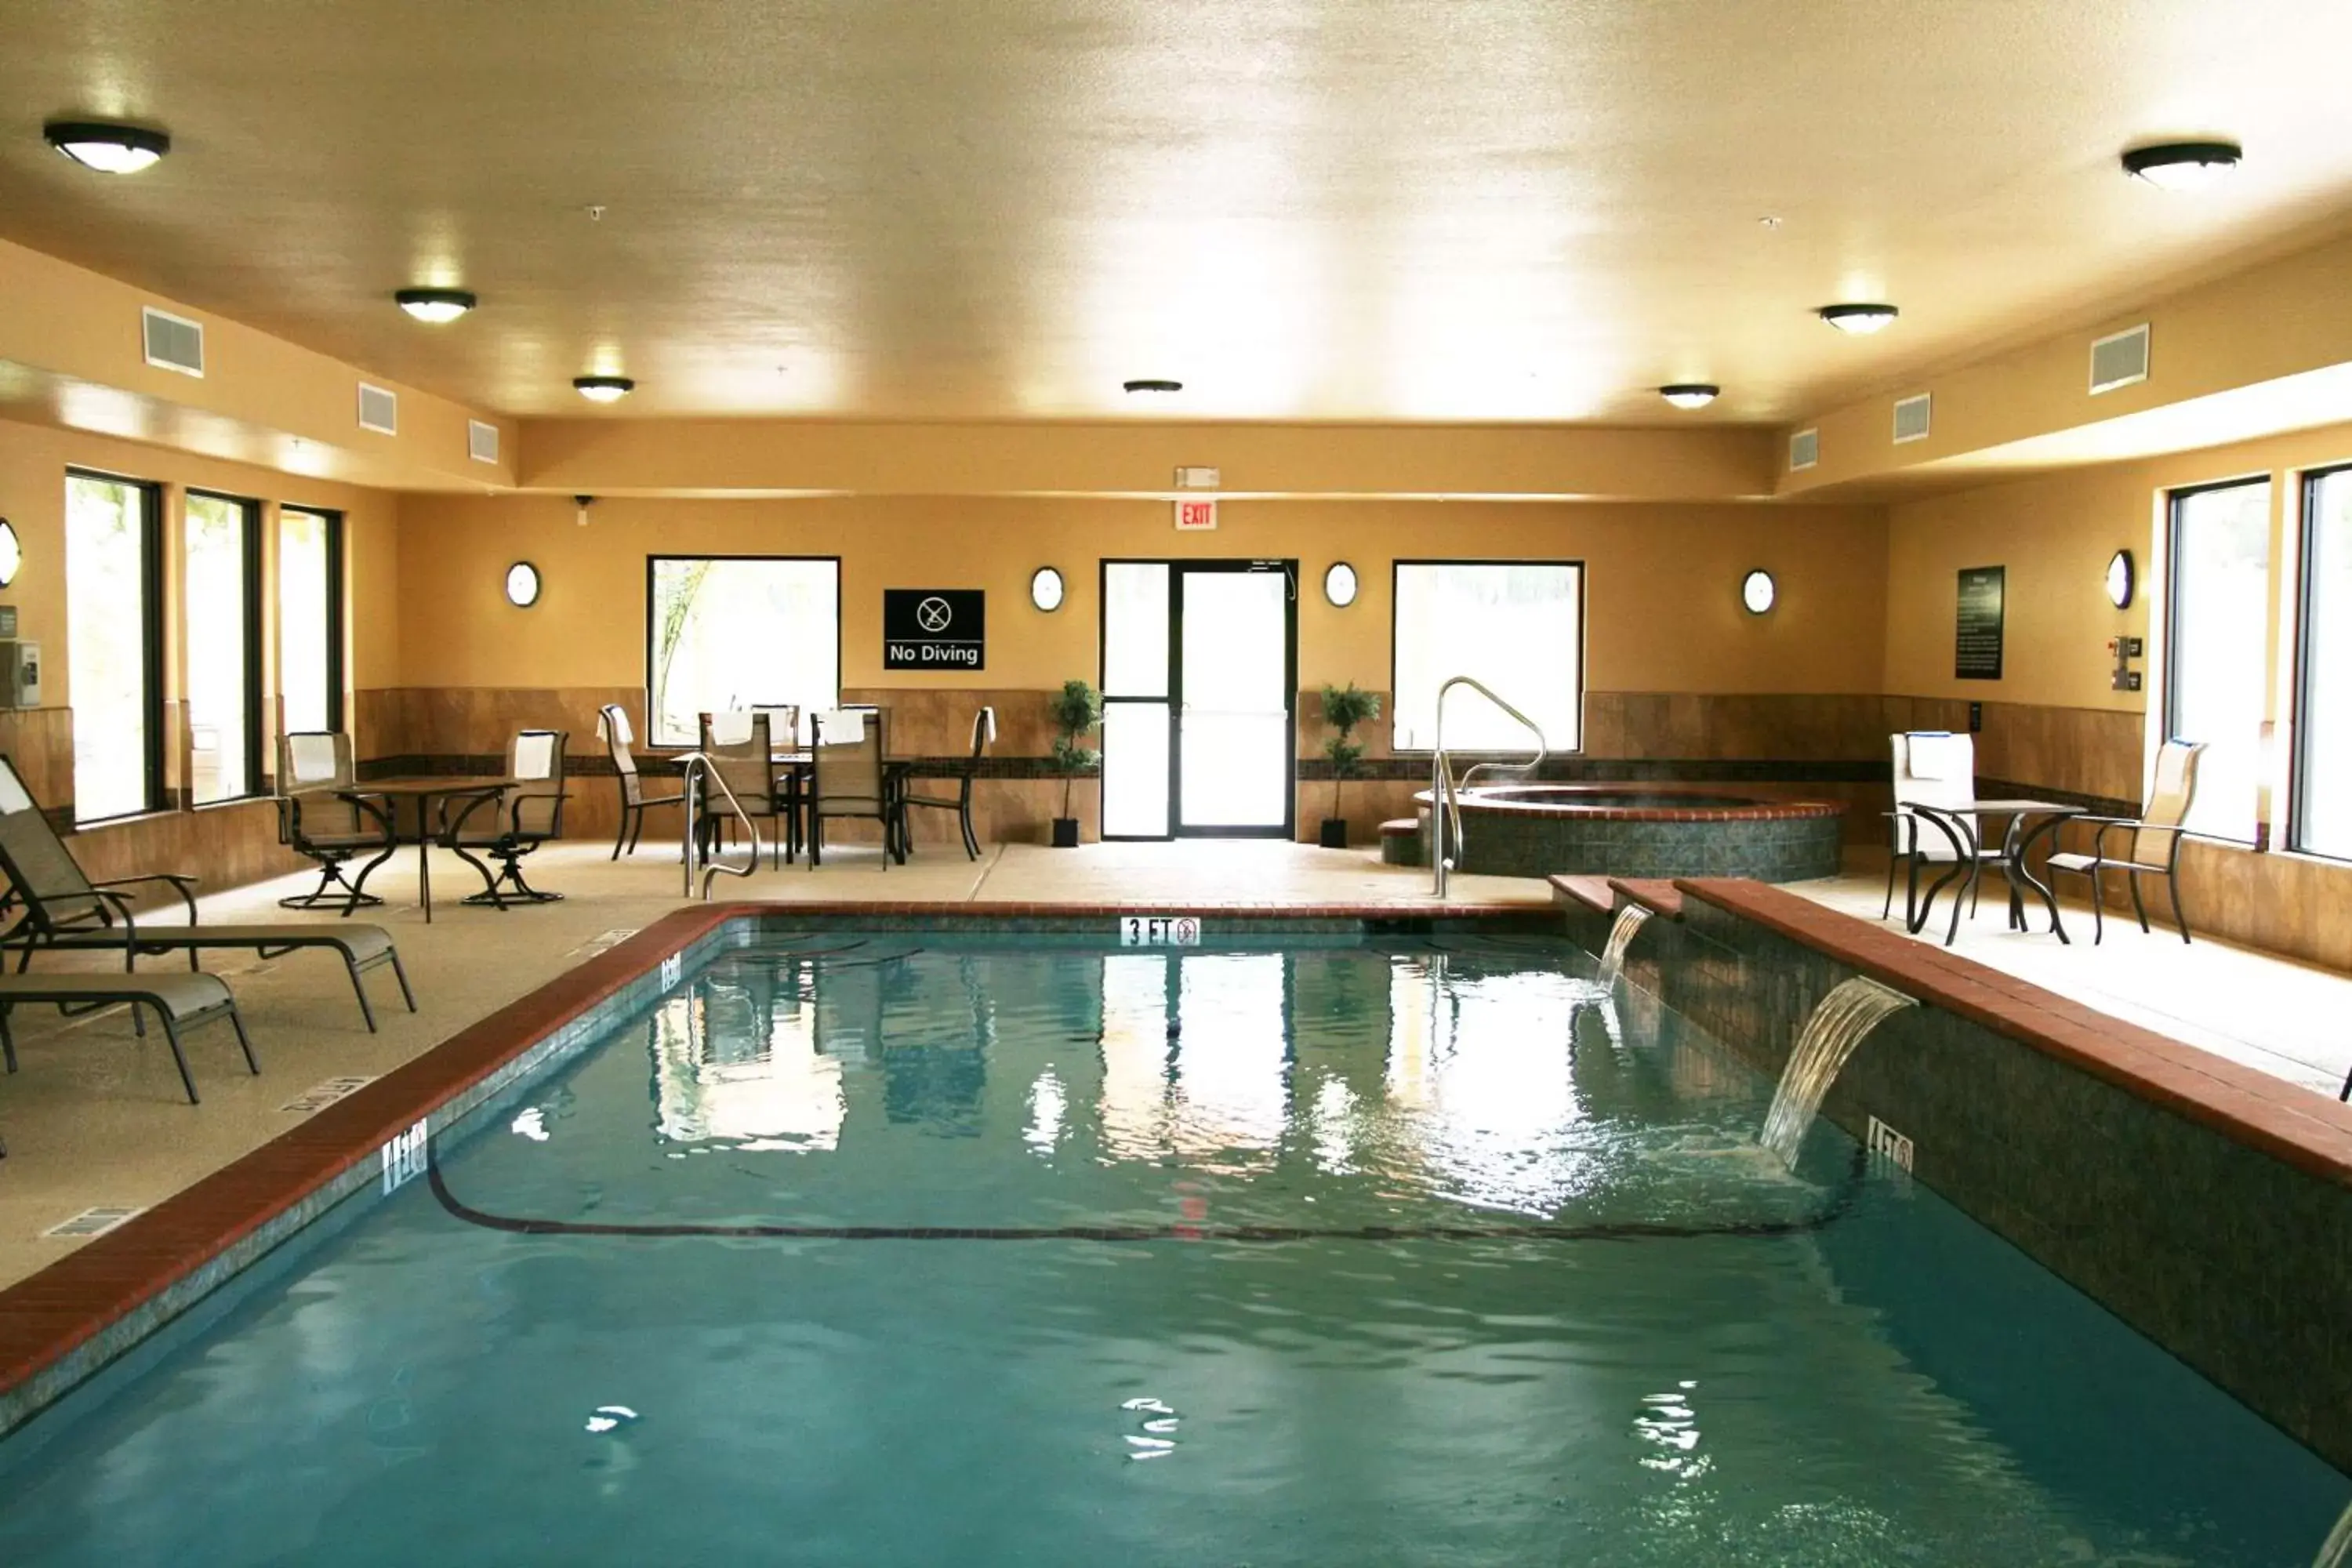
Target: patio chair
614,719
848,778
179,1002
513,823
57,909
740,747
983,731
320,816
1932,767
2155,839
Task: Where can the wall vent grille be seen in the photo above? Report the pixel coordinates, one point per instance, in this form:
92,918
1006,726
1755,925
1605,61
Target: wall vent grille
172,342
1911,419
481,441
379,410
1804,450
2119,359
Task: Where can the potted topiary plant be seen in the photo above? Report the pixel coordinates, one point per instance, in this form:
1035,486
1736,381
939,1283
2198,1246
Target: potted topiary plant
1343,710
1075,710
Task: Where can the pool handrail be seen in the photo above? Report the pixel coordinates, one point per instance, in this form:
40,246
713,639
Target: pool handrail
1442,795
697,766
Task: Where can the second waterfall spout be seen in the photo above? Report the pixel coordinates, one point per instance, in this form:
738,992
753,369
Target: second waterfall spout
1851,1010
1629,922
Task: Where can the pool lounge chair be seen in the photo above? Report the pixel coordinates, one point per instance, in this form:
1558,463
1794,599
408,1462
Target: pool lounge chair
51,906
179,1001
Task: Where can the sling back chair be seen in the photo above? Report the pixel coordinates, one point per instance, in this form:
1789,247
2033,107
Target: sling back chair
1934,768
510,824
740,746
848,778
983,731
319,815
614,719
2152,848
56,908
179,1002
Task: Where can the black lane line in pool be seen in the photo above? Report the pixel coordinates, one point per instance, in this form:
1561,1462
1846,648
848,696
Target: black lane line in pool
1628,1230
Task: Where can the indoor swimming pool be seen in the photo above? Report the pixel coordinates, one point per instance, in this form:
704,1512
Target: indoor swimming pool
876,1248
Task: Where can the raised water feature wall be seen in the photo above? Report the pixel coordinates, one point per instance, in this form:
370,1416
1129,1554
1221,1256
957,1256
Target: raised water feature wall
2205,1204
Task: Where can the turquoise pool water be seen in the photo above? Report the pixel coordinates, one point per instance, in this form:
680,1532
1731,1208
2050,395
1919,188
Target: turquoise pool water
915,1251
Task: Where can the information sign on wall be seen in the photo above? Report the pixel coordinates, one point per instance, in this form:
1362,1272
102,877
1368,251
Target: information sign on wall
1977,650
934,628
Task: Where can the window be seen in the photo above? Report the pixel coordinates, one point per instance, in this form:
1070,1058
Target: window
2323,809
311,619
113,646
2216,658
222,599
729,631
1517,625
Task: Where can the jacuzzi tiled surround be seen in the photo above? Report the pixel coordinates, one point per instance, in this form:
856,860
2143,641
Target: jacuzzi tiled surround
1769,839
2207,1204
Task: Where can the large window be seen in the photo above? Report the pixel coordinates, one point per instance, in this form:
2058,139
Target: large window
2323,812
311,619
2216,658
1517,625
223,595
729,631
113,648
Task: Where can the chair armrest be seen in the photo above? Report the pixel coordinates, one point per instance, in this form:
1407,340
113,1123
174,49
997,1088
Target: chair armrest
186,886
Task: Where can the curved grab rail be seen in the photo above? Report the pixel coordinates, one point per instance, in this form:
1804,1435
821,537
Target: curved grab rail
697,766
1444,794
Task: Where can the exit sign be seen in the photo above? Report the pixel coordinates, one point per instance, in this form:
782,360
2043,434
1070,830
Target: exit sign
1195,516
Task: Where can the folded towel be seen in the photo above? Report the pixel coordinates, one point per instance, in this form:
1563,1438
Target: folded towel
1942,755
841,727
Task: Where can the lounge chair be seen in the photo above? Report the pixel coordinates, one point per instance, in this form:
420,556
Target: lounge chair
319,815
57,909
2154,848
983,731
517,820
180,1002
614,719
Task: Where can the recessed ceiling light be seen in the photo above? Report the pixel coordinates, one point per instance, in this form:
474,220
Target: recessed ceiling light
2183,165
1857,318
603,388
1153,384
435,305
109,149
1690,394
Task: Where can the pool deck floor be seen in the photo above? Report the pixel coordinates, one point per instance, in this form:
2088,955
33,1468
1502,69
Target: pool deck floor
95,1117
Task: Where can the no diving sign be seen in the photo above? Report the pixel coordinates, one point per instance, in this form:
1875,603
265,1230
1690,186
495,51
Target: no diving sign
1158,931
934,628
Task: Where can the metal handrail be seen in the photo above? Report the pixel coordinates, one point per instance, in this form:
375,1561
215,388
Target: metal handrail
1443,794
699,765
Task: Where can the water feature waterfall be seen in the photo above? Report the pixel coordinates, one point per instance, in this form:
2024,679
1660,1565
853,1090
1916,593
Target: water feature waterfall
1630,921
2337,1550
1851,1010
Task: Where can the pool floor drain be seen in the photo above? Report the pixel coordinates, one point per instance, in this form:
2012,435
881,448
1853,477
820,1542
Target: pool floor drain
91,1222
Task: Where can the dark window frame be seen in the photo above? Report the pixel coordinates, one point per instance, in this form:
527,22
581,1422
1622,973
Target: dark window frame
1584,641
653,561
257,782
2306,611
151,629
335,591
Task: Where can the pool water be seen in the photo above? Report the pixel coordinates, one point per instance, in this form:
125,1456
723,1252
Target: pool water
915,1251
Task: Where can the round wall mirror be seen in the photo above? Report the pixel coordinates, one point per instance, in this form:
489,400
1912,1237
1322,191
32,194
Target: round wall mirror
1046,589
12,553
1757,591
522,584
1339,584
2123,579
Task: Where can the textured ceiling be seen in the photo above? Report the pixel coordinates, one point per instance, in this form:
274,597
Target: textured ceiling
1311,209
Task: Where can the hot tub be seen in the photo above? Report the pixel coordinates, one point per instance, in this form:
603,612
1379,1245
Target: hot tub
1643,830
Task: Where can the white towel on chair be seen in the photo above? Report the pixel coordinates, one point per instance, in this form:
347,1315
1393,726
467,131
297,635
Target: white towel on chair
1943,756
731,728
840,727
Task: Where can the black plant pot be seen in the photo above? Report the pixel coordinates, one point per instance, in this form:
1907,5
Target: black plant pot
1335,833
1065,833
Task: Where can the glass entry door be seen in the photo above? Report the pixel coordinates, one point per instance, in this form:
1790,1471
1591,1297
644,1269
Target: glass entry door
1200,681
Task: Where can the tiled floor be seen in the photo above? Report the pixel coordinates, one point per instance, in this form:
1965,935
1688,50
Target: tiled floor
96,1118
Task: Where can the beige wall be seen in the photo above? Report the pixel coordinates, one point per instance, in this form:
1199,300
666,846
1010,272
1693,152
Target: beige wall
1662,590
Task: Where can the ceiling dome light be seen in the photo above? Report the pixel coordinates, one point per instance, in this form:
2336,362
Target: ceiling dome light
1691,393
603,388
435,305
109,149
2183,165
1153,384
1859,319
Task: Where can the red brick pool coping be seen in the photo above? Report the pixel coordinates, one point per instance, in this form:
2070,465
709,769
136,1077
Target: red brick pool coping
44,1316
2295,1126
